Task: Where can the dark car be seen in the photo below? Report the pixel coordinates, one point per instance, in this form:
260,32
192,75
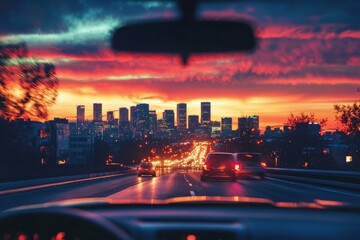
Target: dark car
146,168
220,165
251,163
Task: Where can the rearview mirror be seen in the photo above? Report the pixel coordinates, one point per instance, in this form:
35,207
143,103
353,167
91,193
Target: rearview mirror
185,38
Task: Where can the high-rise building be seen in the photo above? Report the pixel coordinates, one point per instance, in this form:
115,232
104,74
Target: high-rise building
205,113
80,114
124,124
133,118
248,128
110,116
181,116
80,117
226,126
169,117
142,119
251,123
193,122
153,121
97,112
123,115
215,129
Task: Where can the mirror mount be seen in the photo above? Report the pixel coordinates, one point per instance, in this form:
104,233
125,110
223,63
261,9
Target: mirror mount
188,9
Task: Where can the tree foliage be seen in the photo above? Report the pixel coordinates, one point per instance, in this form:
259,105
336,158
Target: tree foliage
27,86
305,118
349,117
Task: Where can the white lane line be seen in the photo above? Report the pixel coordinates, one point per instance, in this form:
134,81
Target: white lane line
190,184
315,187
192,193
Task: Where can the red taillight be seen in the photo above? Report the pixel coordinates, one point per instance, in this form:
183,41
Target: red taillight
237,167
263,164
206,167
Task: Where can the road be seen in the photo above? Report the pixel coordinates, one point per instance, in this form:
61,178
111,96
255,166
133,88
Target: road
175,184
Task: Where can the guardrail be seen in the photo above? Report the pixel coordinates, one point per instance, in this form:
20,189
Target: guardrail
333,178
56,180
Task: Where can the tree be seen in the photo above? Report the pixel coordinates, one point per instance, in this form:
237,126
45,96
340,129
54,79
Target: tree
305,118
349,117
27,86
303,145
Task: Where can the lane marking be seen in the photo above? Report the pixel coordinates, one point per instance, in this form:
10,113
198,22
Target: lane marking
315,187
190,184
17,190
192,193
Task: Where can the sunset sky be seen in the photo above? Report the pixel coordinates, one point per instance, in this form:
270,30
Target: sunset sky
307,60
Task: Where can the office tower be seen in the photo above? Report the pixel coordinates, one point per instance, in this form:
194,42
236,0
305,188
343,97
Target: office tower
142,119
226,126
169,117
133,118
193,122
110,116
97,112
205,113
153,121
123,115
249,123
80,117
181,116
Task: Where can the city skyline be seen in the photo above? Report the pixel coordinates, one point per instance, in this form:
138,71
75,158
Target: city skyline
192,112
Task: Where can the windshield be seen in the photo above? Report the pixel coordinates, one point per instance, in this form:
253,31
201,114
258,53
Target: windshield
82,117
219,159
146,165
249,157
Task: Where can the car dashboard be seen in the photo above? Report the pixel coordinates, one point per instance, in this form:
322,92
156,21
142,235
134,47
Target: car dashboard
181,221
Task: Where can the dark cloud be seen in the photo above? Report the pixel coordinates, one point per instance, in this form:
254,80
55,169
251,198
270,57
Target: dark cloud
293,11
44,16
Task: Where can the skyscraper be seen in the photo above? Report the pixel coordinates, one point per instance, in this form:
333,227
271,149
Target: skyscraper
133,118
181,116
249,123
193,122
248,128
142,119
226,126
123,115
97,112
205,113
153,121
124,124
110,116
169,117
80,115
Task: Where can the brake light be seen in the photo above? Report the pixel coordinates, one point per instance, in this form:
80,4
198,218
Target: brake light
263,164
206,167
237,167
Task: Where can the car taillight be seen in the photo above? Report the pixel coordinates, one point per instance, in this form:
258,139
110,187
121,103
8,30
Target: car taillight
263,164
206,167
237,167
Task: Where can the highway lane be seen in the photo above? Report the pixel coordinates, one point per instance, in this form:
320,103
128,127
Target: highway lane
187,183
93,188
176,184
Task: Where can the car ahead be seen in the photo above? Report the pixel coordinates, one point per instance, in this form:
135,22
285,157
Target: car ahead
250,163
220,165
146,168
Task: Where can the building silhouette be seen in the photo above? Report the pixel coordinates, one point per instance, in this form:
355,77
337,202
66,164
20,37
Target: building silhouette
97,112
181,116
205,113
193,122
168,116
226,126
